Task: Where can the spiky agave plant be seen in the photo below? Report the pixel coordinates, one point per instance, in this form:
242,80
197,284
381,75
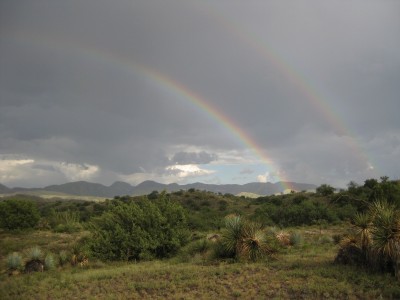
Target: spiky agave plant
254,244
386,230
362,223
243,240
232,236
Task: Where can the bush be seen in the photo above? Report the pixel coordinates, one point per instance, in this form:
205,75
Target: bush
66,221
325,190
14,261
18,214
138,230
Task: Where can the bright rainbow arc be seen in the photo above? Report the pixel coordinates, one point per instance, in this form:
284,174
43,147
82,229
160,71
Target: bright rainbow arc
160,79
212,111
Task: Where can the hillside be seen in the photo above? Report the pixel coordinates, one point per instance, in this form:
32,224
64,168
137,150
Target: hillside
83,188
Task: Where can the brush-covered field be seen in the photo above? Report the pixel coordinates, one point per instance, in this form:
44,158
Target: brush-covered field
306,271
200,245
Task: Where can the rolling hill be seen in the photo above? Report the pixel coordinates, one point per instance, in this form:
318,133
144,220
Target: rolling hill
84,188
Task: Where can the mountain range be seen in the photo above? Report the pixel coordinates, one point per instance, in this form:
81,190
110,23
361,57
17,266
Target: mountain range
84,188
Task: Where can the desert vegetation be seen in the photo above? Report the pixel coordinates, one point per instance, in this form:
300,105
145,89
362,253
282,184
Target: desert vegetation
198,244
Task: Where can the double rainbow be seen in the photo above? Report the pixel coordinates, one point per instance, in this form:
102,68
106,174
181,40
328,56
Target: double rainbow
163,80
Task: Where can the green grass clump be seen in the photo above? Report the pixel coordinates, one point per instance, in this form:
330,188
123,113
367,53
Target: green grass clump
35,253
296,239
63,257
325,239
49,262
14,261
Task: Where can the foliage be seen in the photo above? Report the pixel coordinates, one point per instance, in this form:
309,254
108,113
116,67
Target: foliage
18,214
34,253
325,190
66,221
376,241
139,229
296,239
49,262
288,213
63,257
14,261
242,239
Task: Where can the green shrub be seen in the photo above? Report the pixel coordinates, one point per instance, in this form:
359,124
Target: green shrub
68,228
18,214
137,230
49,262
14,261
66,221
199,246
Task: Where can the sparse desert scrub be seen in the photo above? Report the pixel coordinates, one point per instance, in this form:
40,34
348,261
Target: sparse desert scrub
305,272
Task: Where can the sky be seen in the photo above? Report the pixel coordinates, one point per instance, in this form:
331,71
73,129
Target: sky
212,91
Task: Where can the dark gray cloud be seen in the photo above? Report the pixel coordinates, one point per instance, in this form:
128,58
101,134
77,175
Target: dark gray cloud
188,158
314,84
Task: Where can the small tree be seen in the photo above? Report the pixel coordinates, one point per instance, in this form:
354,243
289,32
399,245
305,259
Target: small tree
325,190
18,214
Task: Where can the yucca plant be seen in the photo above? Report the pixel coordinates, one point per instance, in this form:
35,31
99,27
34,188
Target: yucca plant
377,238
231,237
386,231
363,225
243,240
253,245
14,261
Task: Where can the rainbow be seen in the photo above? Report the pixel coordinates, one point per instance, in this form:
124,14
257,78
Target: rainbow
217,115
295,78
161,80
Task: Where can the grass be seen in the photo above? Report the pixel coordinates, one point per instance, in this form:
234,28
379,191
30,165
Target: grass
303,272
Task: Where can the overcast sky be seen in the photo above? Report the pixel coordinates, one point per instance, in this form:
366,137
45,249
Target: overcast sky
100,91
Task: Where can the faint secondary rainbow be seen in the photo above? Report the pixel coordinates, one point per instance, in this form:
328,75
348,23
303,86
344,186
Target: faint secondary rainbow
120,62
295,78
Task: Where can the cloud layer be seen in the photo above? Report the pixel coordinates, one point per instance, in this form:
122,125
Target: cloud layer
313,84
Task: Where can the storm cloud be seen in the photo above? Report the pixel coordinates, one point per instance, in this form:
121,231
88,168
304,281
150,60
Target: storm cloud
211,91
